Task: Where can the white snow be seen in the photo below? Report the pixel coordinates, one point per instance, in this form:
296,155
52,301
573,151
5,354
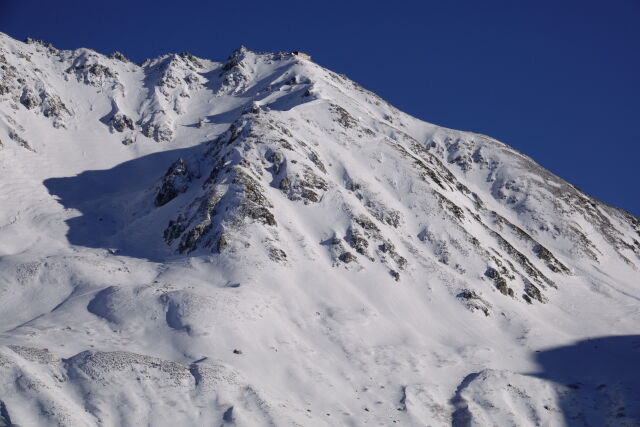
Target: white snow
107,321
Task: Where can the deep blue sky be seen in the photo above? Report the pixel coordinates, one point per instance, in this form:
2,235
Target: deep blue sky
558,80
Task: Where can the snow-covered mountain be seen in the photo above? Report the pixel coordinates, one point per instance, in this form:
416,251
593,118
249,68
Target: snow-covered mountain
261,241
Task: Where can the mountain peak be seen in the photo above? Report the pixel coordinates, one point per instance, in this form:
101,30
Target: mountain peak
262,241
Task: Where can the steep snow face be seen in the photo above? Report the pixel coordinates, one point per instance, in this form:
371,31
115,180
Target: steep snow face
261,241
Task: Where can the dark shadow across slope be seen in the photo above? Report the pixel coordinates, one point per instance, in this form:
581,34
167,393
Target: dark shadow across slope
116,205
600,379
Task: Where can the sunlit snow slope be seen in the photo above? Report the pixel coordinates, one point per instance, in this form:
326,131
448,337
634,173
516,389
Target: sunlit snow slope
260,241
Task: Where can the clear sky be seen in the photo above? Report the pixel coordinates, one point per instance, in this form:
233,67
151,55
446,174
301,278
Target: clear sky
558,80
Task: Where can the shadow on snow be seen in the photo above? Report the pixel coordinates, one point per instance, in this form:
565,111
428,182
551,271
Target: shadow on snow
601,379
116,205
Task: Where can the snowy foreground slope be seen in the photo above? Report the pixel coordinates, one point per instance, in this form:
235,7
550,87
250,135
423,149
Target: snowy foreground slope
260,241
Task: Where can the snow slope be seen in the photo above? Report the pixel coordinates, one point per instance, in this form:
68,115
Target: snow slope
260,241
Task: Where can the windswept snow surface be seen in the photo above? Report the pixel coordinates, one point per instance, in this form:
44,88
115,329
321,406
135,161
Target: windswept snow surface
260,241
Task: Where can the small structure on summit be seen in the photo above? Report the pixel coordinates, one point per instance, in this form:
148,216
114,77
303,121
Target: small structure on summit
301,55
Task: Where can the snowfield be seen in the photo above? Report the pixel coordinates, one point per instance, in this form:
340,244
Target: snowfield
260,241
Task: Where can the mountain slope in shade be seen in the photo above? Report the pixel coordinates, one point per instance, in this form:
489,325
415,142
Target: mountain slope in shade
260,241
